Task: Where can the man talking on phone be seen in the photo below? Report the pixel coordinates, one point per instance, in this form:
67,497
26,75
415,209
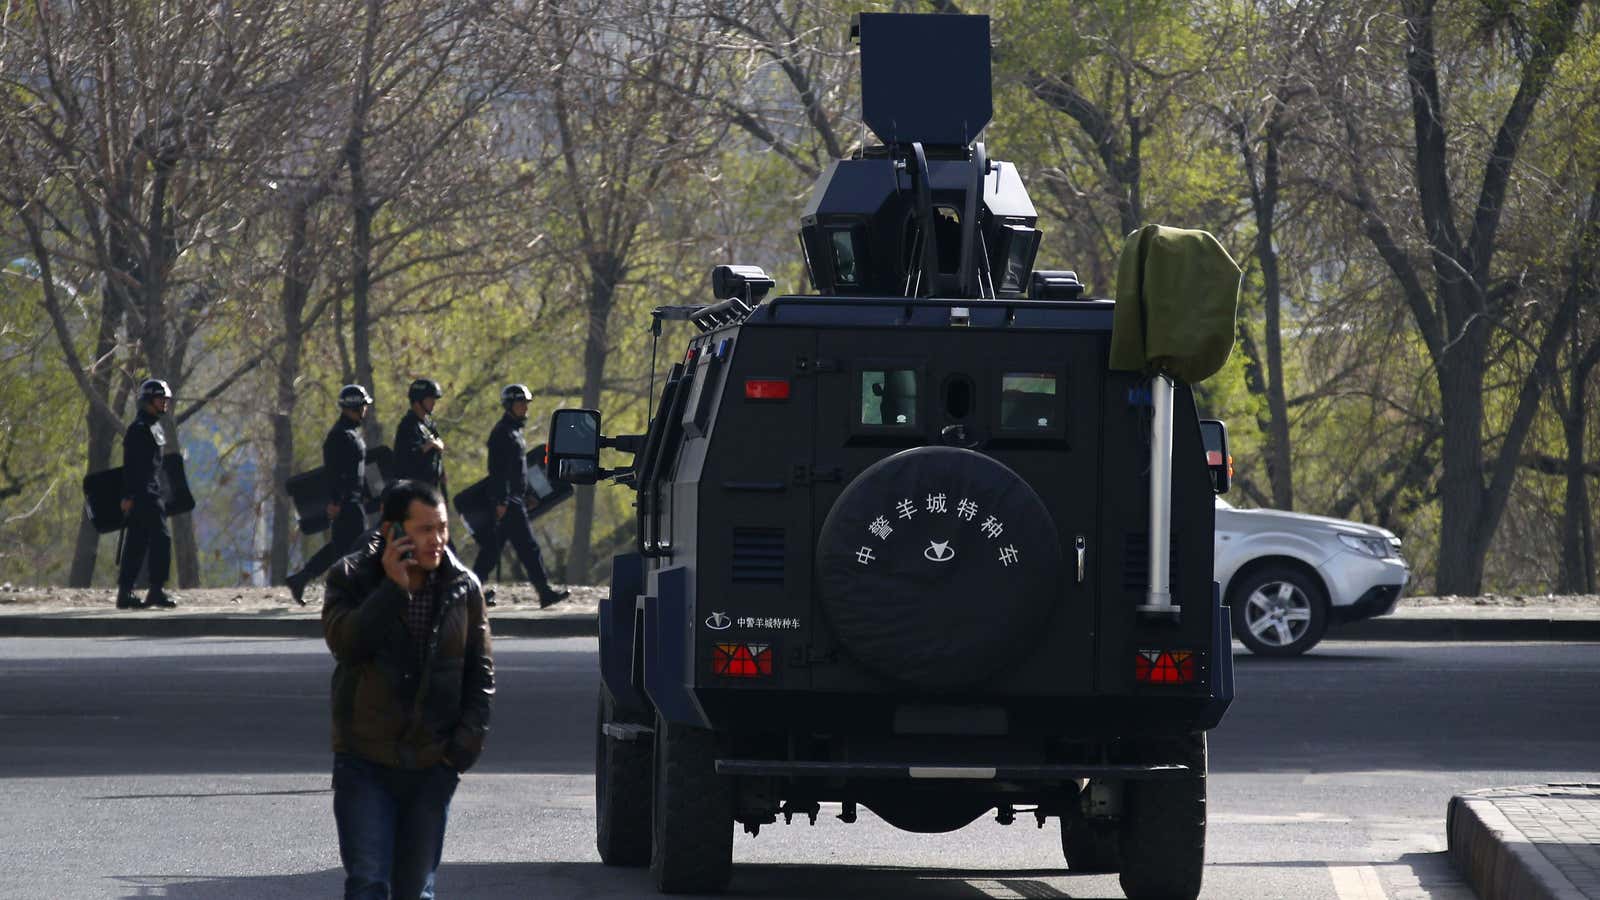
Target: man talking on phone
411,693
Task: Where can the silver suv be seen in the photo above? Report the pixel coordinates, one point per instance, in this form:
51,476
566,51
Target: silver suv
1287,576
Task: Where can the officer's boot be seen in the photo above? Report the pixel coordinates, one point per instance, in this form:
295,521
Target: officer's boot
297,588
488,597
549,596
127,599
158,599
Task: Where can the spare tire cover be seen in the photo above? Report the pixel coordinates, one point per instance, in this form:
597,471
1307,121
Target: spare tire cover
937,567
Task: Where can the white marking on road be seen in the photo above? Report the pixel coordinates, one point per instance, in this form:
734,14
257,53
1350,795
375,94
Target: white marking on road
1299,818
1356,882
977,772
992,888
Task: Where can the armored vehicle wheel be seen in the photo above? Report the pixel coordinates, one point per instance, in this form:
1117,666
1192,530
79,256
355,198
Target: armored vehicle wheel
1089,845
692,813
938,567
622,772
1164,824
1279,611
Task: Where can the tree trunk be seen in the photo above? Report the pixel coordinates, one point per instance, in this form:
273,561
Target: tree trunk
1461,491
1264,200
603,278
85,550
102,433
363,209
296,287
1577,577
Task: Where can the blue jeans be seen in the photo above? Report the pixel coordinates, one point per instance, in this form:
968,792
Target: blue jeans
391,826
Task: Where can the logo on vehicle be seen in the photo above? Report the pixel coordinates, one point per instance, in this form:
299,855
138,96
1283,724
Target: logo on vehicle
718,621
939,551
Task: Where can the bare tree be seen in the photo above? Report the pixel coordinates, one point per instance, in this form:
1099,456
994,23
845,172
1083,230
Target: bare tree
1458,315
130,125
623,125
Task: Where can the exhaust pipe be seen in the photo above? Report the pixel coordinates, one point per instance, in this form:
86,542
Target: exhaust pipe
1158,601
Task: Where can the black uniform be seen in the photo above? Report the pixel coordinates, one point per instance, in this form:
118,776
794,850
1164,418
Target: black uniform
147,520
344,456
508,483
410,459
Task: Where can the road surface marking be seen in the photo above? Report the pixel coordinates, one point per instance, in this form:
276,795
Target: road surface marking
1356,882
998,889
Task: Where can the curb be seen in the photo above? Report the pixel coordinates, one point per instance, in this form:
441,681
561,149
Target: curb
1498,860
1394,629
587,625
242,627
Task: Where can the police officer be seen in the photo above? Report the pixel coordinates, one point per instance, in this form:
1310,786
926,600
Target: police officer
508,490
142,504
344,459
418,449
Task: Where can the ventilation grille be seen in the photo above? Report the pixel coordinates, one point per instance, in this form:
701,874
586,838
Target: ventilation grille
1136,562
758,555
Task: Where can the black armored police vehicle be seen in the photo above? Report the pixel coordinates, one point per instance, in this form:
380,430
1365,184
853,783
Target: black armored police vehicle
909,543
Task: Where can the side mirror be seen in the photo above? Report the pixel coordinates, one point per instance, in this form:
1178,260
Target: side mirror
1214,434
574,449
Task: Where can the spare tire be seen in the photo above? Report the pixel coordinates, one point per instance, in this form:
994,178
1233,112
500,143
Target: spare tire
937,567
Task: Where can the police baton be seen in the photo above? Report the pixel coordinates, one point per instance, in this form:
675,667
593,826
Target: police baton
121,533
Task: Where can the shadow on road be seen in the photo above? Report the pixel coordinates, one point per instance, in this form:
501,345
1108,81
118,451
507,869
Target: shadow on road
504,881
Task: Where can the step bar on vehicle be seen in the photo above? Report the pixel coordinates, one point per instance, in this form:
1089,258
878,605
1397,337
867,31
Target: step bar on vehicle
1002,772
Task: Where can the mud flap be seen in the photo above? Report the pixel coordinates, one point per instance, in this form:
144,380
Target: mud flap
616,632
1222,662
668,650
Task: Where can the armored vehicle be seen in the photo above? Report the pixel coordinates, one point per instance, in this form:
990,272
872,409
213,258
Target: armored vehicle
895,538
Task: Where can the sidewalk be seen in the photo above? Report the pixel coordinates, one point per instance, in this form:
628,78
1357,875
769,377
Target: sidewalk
1529,843
257,612
269,612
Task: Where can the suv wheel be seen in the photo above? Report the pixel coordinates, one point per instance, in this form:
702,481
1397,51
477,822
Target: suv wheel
692,813
1279,611
622,771
1164,824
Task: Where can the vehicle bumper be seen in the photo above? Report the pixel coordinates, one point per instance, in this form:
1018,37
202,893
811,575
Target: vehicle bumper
1379,600
945,771
1360,587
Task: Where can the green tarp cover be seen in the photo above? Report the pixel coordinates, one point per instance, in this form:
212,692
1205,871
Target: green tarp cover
1177,295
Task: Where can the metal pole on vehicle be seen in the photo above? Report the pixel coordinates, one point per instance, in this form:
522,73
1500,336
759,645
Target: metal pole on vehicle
1158,600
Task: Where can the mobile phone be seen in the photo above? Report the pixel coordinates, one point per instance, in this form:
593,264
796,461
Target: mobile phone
395,534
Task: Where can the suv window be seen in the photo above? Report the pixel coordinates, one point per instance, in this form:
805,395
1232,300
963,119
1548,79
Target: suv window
889,397
1028,401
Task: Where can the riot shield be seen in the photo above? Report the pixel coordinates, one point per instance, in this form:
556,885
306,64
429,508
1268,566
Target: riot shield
476,513
309,490
102,494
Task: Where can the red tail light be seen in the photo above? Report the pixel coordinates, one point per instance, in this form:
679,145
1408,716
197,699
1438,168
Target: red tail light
766,389
742,660
1164,667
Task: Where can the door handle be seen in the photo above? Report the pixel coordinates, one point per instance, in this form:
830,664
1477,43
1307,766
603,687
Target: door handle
1082,547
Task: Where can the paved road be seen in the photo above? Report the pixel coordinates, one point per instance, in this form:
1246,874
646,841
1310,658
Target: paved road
197,769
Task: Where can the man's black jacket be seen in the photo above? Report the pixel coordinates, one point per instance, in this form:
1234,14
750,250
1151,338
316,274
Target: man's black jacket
411,459
508,461
141,457
388,707
344,458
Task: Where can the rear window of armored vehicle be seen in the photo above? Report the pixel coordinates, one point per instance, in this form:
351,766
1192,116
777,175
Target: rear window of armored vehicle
895,538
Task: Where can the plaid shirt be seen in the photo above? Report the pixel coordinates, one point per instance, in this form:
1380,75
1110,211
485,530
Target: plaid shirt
419,615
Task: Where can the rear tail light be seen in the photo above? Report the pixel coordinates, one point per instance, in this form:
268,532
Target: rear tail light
1164,667
742,660
766,389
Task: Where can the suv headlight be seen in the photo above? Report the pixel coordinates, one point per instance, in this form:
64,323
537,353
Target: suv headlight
1377,548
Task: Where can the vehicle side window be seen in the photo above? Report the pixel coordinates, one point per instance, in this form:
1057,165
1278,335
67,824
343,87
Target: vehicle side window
889,397
1028,402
